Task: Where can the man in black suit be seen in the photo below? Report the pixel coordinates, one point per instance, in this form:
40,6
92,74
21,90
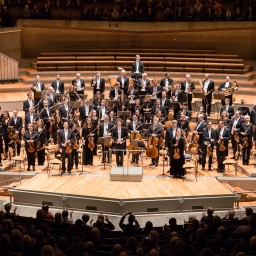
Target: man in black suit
58,85
98,83
158,107
253,115
105,131
44,97
97,101
28,103
115,92
143,83
46,115
221,145
223,87
208,88
178,97
102,110
37,87
228,108
16,122
124,81
119,135
132,94
85,111
66,136
52,95
235,126
169,135
209,135
155,90
30,117
78,84
188,86
165,83
65,110
155,130
187,113
165,102
137,67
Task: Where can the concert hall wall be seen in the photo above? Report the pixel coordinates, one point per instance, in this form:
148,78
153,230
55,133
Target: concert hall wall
225,37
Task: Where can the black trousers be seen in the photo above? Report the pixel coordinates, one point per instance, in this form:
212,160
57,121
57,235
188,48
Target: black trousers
105,153
189,100
221,156
120,158
207,103
176,109
246,152
64,155
31,158
235,145
41,156
88,155
204,156
74,157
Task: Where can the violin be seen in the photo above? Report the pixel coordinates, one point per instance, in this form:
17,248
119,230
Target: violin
193,146
31,148
110,142
76,144
68,149
222,147
91,144
176,153
245,142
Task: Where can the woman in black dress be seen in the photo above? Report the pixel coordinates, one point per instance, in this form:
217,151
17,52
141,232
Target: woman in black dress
95,123
177,155
42,137
88,134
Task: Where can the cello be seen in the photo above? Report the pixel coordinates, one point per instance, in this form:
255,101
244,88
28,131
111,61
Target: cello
134,136
152,143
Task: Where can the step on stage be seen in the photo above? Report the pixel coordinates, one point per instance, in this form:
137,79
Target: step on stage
99,194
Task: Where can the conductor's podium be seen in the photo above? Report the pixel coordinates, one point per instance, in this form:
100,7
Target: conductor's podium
126,173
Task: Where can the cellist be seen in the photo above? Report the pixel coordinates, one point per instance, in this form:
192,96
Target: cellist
155,130
135,129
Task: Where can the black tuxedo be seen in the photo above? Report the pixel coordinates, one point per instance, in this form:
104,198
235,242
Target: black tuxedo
74,82
180,99
124,136
207,139
99,112
135,93
188,95
199,128
222,86
155,108
247,129
41,103
64,155
168,138
146,82
101,85
166,105
140,68
17,127
26,105
112,93
221,155
163,84
28,119
83,114
158,91
207,101
124,86
230,111
60,86
96,103
64,113
139,127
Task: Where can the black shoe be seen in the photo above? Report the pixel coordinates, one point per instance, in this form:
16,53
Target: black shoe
34,169
209,168
28,169
1,164
168,171
156,164
132,162
152,164
69,172
76,166
203,168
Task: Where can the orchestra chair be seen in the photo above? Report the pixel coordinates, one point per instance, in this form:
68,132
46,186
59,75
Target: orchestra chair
17,159
231,162
188,166
53,161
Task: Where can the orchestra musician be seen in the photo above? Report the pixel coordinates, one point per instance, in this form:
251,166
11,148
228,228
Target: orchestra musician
228,108
112,117
137,66
169,135
5,123
56,127
119,135
209,135
246,133
102,110
208,88
187,113
123,81
98,83
155,90
78,84
132,94
137,107
65,110
166,84
30,138
72,94
85,111
58,85
188,86
95,123
139,115
123,103
201,112
105,131
16,122
225,119
253,114
235,126
29,102
221,145
65,139
52,95
223,87
115,92
74,158
97,101
143,83
88,135
183,123
165,102
157,107
43,98
30,117
178,158
243,109
37,87
178,97
42,139
155,130
47,115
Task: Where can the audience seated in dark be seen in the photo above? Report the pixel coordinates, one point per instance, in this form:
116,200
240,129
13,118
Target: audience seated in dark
132,224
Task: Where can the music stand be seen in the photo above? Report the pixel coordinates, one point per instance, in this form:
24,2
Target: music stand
82,169
59,97
75,104
147,116
124,115
143,93
163,154
136,76
112,105
104,140
145,134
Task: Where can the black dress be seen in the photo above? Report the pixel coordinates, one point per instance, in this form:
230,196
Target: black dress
177,169
88,153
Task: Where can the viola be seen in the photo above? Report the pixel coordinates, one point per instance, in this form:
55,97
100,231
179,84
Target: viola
176,153
68,149
91,144
222,147
31,148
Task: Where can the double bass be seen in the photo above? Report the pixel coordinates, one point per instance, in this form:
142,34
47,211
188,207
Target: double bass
135,136
152,146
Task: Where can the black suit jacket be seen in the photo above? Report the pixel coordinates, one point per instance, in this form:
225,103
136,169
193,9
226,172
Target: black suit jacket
37,95
157,131
210,87
206,135
181,95
141,67
81,82
27,137
26,105
162,82
101,129
28,119
52,96
102,85
225,135
139,127
183,85
163,110
222,86
44,115
140,81
230,111
61,86
83,115
159,91
99,112
124,86
61,137
167,104
124,136
253,116
96,102
168,138
63,113
238,125
112,93
135,93
199,129
187,114
18,125
41,103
